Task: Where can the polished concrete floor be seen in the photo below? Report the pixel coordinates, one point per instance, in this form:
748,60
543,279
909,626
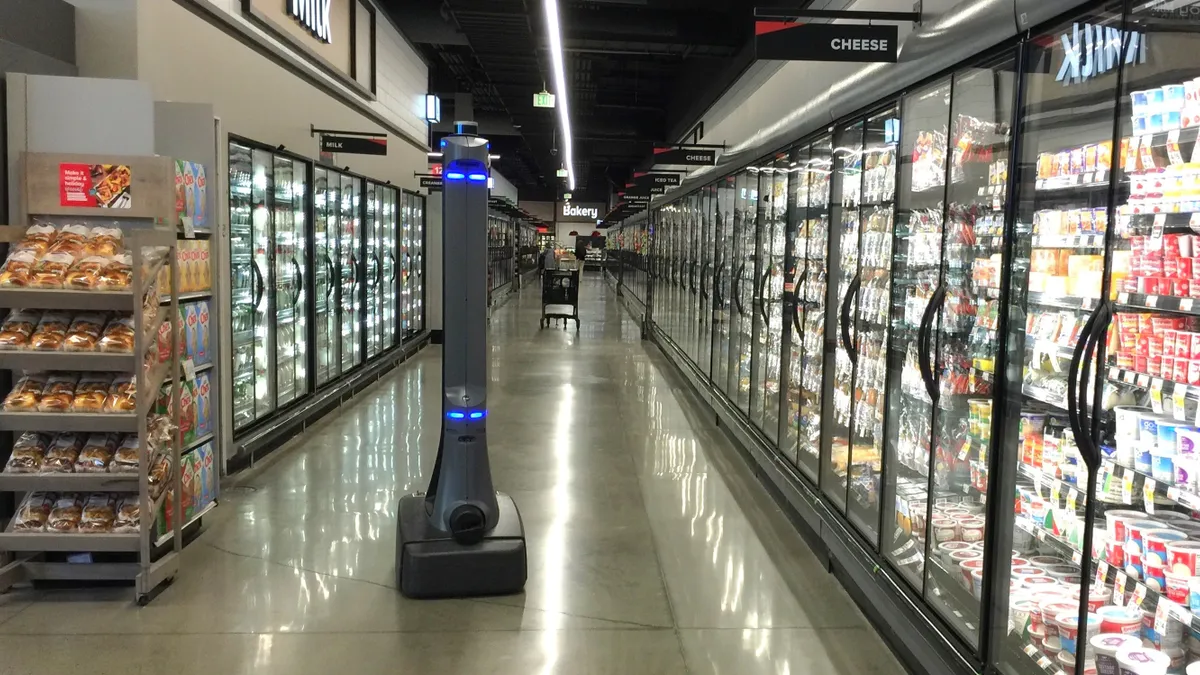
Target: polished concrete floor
651,550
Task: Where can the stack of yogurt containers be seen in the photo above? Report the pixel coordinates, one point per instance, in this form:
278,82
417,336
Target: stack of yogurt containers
1158,446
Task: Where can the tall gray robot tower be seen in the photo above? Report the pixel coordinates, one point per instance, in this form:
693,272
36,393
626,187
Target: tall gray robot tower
461,537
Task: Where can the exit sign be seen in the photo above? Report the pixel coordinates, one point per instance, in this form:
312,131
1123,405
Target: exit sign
561,173
543,100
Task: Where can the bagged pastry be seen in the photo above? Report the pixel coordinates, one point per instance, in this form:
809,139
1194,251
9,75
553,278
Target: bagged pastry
105,241
71,240
118,335
126,457
117,275
84,333
99,512
17,328
50,332
37,239
28,453
91,392
25,396
33,512
159,476
84,275
122,396
128,516
63,453
59,393
17,271
66,513
97,453
51,270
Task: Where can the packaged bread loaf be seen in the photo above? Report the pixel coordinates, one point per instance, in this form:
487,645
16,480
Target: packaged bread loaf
128,517
33,512
17,328
118,335
99,512
28,453
25,395
97,453
63,453
66,513
59,393
122,396
160,472
84,275
104,241
50,332
118,274
91,392
17,271
50,271
37,239
125,459
84,333
70,240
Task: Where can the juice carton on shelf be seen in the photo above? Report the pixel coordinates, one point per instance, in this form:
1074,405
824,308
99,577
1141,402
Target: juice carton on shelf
189,486
200,214
203,334
191,325
187,412
204,468
203,265
203,398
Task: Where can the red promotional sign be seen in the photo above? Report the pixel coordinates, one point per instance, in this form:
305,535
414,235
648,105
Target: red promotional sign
75,185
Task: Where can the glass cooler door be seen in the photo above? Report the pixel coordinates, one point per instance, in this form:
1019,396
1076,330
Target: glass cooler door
847,192
744,277
774,182
249,249
348,249
325,211
1055,330
390,276
724,311
706,237
373,223
812,182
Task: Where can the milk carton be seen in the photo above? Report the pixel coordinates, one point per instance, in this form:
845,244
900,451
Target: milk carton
203,398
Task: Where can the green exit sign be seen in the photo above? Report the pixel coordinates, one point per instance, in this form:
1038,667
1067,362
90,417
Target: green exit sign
543,100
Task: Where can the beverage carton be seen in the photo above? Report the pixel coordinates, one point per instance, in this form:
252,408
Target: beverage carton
191,324
203,399
203,333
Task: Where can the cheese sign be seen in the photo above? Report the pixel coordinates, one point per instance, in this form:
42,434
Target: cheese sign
787,41
313,15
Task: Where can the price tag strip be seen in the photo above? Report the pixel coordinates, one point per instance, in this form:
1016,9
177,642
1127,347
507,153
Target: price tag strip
1156,396
1148,494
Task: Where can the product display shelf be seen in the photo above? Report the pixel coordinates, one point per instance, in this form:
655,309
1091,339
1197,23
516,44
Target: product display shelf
37,555
166,538
199,369
1061,301
1161,303
184,297
1072,185
951,589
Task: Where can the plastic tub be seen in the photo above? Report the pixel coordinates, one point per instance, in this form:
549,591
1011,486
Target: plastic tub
966,567
1120,620
1104,648
1187,442
1127,421
1142,661
971,531
1167,429
1062,572
1117,519
1193,602
977,583
1155,544
1069,629
1052,608
1184,557
1177,587
1162,466
1098,596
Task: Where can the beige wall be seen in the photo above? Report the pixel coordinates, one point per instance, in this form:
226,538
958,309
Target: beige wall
183,58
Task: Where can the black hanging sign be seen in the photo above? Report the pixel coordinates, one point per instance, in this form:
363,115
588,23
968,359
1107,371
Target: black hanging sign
355,145
685,156
434,183
645,190
861,43
656,179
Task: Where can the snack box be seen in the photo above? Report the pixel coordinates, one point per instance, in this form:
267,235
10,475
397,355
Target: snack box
203,398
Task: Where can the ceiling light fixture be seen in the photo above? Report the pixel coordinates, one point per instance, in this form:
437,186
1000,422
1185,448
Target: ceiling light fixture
560,85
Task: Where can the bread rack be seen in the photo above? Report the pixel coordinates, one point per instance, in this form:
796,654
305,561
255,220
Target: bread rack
146,223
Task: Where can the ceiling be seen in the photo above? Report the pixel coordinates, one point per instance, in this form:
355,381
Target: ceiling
638,72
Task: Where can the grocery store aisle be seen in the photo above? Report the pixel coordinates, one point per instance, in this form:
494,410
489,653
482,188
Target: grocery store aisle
652,550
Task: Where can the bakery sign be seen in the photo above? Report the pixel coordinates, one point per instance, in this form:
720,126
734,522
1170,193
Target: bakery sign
578,212
1090,51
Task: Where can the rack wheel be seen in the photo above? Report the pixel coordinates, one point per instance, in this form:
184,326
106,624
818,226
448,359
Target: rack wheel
143,600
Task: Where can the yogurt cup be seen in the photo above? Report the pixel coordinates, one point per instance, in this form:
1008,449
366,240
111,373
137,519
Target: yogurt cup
1142,661
1066,662
1178,587
945,548
1104,648
1167,429
1155,544
1193,601
1127,421
1162,466
1120,620
1061,572
1186,470
1143,455
977,583
1044,561
944,530
1184,557
1148,425
1019,612
1052,646
1193,668
1054,607
1037,635
967,567
1069,629
1187,442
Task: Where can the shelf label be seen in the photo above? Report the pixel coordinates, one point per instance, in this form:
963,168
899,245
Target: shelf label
1037,480
1122,297
1152,301
966,450
1076,557
1148,494
1143,380
1179,401
1101,573
1130,377
1072,498
1173,152
1139,595
1055,493
1044,661
1030,650
1160,221
1156,397
1114,373
189,229
1087,178
1127,487
189,370
1162,616
1185,304
1119,590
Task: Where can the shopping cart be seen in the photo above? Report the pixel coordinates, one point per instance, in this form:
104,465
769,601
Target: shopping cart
560,289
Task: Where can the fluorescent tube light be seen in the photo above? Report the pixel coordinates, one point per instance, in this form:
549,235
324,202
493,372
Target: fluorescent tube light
560,85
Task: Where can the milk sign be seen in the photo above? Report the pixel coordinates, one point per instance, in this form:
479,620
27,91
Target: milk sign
313,15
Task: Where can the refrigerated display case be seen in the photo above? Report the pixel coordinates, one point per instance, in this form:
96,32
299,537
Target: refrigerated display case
768,296
268,258
380,280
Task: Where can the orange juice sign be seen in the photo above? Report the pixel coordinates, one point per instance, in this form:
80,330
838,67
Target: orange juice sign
94,185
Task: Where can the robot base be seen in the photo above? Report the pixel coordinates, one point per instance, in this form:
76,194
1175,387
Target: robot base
430,564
